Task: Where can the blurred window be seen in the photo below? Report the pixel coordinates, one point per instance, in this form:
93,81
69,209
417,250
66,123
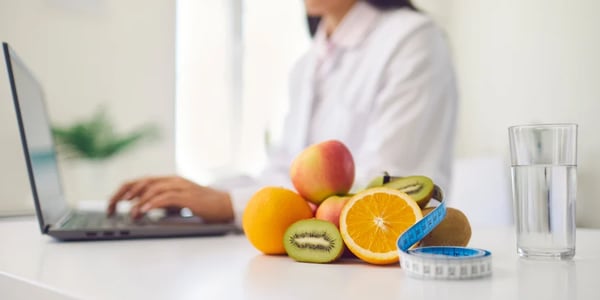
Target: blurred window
233,60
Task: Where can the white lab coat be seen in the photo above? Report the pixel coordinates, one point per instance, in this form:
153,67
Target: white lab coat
391,99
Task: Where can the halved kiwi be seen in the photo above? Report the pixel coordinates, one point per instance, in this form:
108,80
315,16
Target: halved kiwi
314,241
420,188
381,180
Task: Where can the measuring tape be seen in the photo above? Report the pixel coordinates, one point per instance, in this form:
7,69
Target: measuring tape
440,262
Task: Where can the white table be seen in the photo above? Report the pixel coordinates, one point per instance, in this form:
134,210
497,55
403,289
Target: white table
33,266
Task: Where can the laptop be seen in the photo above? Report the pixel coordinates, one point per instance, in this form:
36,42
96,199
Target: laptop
56,217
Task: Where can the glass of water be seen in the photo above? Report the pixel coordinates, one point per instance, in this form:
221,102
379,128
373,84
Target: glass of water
544,183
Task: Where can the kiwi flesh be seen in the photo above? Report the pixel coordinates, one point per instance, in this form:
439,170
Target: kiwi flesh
454,230
313,241
420,188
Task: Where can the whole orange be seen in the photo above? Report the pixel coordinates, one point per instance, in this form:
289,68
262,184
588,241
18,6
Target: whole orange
268,214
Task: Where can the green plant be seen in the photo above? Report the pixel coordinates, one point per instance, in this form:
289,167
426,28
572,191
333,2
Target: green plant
95,138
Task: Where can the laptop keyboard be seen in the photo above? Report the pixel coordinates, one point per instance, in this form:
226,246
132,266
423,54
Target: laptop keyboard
100,220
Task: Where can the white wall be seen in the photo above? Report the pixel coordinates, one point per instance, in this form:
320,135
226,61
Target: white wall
268,58
88,53
205,73
227,100
13,186
523,62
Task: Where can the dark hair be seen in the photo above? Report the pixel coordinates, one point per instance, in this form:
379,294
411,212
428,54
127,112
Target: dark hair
313,22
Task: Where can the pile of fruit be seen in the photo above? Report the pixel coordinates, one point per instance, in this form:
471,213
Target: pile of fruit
320,221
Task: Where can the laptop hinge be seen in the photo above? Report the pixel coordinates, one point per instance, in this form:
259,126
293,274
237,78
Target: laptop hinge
46,228
59,223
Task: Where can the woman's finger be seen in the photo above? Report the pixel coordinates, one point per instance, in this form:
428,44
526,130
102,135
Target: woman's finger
138,188
118,196
158,187
155,189
163,200
129,191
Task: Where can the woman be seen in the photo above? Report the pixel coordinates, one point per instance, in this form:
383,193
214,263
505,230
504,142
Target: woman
378,78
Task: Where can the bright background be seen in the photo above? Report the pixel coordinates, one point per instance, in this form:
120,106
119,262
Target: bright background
87,54
213,76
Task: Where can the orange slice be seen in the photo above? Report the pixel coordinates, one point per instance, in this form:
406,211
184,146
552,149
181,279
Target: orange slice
372,221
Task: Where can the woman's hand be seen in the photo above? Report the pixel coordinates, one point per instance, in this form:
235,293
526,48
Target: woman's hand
173,191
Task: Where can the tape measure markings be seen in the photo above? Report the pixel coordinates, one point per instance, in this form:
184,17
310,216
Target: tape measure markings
440,262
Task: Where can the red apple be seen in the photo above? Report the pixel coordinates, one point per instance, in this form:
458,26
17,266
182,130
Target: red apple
323,170
331,209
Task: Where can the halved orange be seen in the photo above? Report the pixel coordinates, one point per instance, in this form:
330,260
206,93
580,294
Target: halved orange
372,221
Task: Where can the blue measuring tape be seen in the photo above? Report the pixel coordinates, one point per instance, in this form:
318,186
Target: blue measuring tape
440,262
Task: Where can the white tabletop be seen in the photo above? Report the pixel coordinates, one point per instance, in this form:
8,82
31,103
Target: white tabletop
35,266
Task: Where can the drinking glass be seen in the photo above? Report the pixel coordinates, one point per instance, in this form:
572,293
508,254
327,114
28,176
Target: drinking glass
544,185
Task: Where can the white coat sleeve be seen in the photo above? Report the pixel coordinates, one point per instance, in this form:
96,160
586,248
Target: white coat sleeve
411,125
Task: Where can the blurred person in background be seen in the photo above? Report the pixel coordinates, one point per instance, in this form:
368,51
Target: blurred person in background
378,77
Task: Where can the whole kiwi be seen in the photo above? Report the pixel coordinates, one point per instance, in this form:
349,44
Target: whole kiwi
454,230
314,241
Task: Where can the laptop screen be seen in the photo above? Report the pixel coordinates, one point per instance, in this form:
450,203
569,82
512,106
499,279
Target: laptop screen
36,136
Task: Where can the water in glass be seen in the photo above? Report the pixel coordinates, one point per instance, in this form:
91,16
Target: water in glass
544,198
